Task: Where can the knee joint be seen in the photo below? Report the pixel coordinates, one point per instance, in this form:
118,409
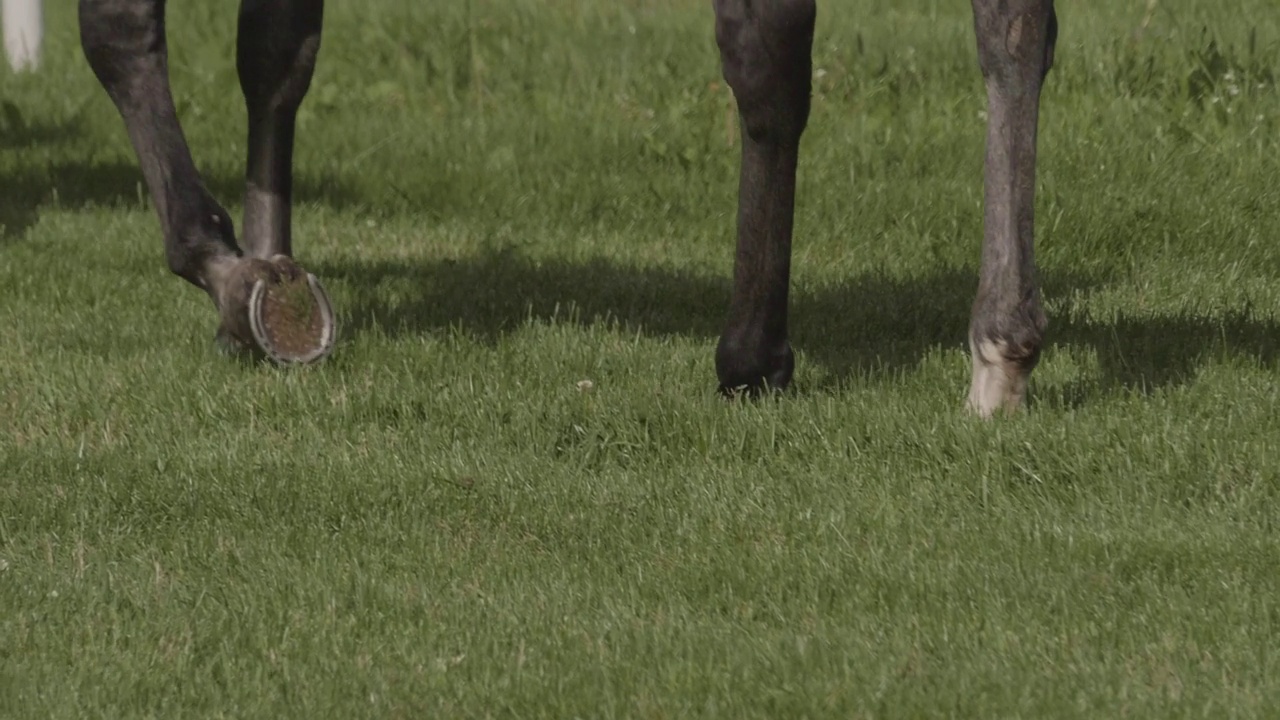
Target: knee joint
1016,44
766,54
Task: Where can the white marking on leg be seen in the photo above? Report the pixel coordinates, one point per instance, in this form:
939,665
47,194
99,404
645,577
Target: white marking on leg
998,383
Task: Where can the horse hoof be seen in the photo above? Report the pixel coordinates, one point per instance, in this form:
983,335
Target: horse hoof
752,368
290,316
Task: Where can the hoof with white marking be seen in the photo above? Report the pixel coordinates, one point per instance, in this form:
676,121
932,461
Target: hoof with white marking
999,378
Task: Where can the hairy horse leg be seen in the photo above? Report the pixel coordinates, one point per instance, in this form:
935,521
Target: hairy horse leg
1015,50
269,304
275,57
765,51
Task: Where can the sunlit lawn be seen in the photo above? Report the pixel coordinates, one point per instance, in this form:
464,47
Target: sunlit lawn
513,491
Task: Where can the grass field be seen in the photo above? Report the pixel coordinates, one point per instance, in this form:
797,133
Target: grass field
509,197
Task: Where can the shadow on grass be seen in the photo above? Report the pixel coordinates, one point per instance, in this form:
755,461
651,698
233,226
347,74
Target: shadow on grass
76,185
1145,354
496,293
868,325
17,132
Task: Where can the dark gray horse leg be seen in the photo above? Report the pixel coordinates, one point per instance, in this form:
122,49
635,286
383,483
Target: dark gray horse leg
275,56
270,304
1015,51
765,50
125,44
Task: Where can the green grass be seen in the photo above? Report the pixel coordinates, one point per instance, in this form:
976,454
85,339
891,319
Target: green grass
507,198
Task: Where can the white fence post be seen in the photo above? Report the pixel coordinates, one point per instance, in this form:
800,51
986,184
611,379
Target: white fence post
23,22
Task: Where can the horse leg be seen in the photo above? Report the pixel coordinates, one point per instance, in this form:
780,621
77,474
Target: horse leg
1015,51
275,57
271,304
765,51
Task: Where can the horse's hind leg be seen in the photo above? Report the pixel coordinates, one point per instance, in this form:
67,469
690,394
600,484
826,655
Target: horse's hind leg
270,304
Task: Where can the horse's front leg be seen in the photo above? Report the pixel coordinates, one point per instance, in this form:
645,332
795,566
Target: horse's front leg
765,50
275,57
263,302
1015,51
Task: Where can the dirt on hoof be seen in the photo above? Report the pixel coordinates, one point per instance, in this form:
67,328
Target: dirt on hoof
290,315
275,309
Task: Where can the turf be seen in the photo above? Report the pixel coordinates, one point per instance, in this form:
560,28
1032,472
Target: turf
513,492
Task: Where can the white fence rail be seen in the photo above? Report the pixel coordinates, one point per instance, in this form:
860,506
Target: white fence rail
23,22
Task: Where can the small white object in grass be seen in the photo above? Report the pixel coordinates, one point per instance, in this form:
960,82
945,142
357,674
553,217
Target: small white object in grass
585,385
4,564
23,22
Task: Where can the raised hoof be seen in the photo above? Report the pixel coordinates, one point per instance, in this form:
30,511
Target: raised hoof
753,373
277,309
